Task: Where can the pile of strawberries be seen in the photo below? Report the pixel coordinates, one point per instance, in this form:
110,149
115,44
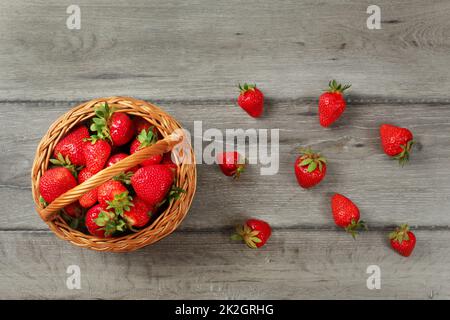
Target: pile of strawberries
125,203
311,167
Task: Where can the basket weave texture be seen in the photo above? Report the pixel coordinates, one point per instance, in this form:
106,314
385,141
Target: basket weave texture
164,224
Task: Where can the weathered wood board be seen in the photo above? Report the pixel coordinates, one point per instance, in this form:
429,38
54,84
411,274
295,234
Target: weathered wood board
188,57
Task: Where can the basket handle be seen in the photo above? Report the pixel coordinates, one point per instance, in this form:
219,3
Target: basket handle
161,146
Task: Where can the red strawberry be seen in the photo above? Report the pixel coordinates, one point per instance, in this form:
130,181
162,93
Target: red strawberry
396,142
310,168
73,210
139,214
140,124
121,129
96,153
90,198
402,240
54,182
251,100
71,146
114,126
332,103
231,163
346,214
167,161
91,217
254,232
153,183
116,158
145,139
114,195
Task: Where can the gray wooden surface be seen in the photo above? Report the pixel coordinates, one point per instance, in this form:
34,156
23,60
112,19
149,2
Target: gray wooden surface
188,57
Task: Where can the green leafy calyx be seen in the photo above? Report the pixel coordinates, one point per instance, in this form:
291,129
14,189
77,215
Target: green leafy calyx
146,138
249,236
65,162
354,227
121,202
312,159
400,234
100,123
334,86
246,87
403,156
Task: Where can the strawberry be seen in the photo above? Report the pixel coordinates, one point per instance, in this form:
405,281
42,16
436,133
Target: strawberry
110,125
231,163
140,124
114,195
145,139
397,142
139,214
346,214
402,240
73,210
96,153
153,183
251,100
90,198
310,168
167,161
102,223
116,158
254,232
71,146
54,182
332,103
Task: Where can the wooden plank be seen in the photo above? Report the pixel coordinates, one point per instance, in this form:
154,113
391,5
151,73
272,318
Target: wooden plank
201,49
295,264
386,193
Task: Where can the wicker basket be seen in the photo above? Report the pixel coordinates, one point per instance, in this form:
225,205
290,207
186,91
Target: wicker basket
166,222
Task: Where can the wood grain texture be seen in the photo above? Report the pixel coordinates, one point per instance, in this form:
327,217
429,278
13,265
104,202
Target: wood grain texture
295,264
386,193
201,48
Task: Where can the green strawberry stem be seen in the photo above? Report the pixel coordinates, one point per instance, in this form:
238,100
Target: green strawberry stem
124,177
246,234
100,123
403,156
65,162
312,159
246,87
354,226
334,86
122,202
400,234
110,222
146,138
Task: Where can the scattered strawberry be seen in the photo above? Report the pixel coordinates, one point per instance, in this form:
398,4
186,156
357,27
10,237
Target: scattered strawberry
89,198
254,232
153,183
231,163
310,168
139,214
145,139
251,100
73,210
346,214
402,240
397,142
96,153
114,126
332,103
54,182
71,146
116,158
